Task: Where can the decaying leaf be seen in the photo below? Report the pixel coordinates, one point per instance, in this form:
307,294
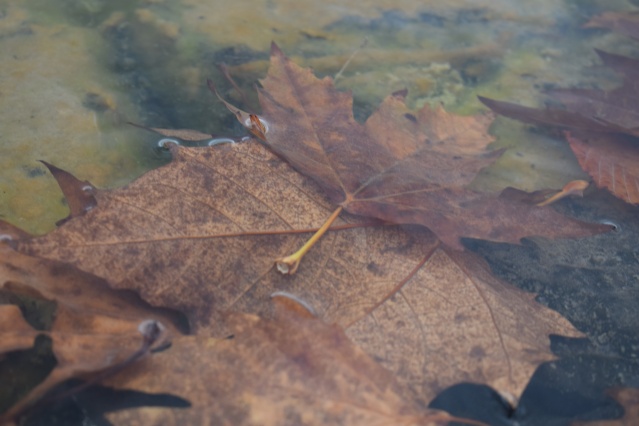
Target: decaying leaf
183,134
588,110
94,328
453,319
399,166
200,235
602,124
78,194
612,161
15,331
290,370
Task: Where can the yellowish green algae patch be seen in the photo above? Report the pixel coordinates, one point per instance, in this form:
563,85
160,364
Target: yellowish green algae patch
72,73
58,106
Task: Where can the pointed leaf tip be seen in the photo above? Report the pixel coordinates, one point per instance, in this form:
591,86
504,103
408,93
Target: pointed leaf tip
486,101
275,50
79,194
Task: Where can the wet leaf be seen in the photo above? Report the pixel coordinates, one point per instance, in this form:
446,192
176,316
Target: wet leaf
612,161
78,194
94,328
183,134
200,235
15,331
290,370
399,166
615,111
603,126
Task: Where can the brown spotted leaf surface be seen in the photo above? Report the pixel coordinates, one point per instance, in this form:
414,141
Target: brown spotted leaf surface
290,370
93,327
200,236
603,125
399,166
431,315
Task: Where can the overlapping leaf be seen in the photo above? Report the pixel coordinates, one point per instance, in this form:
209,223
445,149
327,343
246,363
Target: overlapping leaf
399,166
201,233
603,123
94,327
290,370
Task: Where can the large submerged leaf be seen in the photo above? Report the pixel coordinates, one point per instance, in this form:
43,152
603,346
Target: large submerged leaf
603,125
94,328
290,370
201,233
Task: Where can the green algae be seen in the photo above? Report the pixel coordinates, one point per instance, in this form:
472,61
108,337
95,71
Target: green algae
147,61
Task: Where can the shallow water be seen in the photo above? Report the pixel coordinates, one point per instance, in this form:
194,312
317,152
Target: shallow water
73,73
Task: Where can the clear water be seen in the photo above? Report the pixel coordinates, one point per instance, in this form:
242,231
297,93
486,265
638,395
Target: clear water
73,73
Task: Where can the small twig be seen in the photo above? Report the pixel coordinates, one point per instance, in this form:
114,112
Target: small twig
224,69
350,58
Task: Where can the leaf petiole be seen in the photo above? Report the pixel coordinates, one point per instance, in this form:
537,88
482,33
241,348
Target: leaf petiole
289,264
576,187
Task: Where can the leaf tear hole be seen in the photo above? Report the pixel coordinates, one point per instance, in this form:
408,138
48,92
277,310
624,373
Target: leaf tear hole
165,142
615,227
218,141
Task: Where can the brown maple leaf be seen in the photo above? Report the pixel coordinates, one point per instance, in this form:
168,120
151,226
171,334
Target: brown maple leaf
399,166
603,124
200,233
615,111
273,372
95,329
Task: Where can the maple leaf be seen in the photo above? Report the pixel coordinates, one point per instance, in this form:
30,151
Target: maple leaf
198,235
94,328
180,235
603,124
292,369
399,166
615,111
